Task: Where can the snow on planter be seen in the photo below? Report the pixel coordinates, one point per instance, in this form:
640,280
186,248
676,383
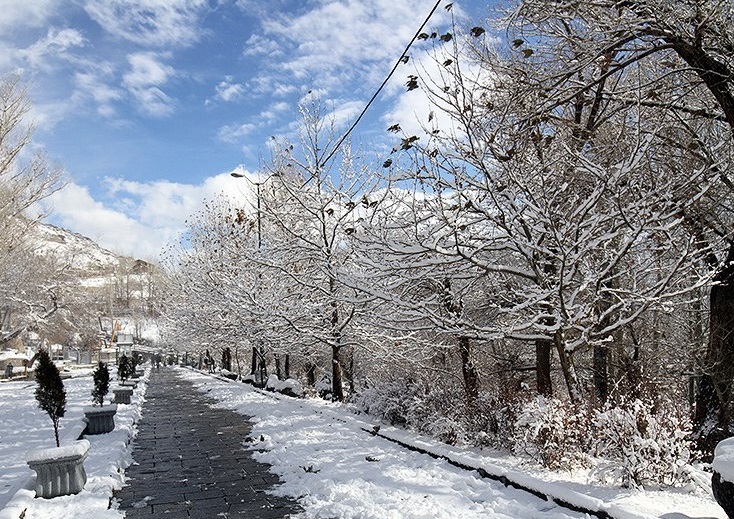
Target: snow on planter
59,470
722,482
100,419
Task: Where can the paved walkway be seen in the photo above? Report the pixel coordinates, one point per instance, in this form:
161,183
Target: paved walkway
191,461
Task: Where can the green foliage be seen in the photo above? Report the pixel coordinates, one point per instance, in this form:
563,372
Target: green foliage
101,377
125,368
50,392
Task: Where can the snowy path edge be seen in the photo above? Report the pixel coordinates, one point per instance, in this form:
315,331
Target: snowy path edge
552,492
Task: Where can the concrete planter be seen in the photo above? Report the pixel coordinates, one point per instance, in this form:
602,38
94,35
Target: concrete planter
122,395
59,470
722,481
100,420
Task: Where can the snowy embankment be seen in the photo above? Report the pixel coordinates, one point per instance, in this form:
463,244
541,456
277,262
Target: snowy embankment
24,427
328,458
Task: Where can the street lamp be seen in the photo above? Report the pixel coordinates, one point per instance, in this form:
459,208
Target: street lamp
261,353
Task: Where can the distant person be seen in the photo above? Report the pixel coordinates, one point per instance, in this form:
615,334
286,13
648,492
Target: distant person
8,370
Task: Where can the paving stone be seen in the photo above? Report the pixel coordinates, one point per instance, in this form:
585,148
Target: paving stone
192,463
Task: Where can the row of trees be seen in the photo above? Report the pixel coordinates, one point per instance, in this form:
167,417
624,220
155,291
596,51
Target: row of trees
560,222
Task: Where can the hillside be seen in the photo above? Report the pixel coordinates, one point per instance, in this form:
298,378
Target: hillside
83,254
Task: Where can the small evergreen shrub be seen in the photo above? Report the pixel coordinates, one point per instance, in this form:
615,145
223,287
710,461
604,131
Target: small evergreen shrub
125,368
101,378
50,391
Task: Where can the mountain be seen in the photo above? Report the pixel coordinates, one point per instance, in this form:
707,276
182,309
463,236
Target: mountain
82,253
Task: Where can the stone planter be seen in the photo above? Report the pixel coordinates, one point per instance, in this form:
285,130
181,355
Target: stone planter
722,482
122,395
100,420
59,470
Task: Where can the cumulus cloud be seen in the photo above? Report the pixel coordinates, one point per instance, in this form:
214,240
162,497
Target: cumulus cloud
228,91
150,22
337,42
145,216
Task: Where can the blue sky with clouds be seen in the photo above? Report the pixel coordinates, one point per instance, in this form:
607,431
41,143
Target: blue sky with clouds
149,104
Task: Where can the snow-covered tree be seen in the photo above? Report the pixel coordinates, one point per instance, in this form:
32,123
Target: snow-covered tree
662,69
27,290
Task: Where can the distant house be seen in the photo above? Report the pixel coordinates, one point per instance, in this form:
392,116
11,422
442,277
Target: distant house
17,360
123,342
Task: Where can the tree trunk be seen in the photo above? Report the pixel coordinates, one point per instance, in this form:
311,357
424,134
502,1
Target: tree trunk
714,413
568,369
311,374
278,372
543,348
337,382
337,385
600,353
287,366
469,372
253,367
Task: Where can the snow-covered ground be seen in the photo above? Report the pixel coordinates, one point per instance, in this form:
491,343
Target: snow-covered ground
24,427
326,459
321,451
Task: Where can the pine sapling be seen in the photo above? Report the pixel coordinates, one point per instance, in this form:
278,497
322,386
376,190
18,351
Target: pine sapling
101,377
50,392
124,368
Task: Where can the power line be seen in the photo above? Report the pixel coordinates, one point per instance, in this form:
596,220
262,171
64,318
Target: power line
377,92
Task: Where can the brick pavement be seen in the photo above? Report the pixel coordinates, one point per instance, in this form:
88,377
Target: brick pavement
191,463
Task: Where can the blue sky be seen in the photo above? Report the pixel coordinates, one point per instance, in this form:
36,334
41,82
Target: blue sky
148,105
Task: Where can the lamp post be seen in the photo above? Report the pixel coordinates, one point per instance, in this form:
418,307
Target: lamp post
255,354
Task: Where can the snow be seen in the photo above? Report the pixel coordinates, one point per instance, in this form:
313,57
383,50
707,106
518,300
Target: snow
724,459
325,454
326,457
73,450
24,427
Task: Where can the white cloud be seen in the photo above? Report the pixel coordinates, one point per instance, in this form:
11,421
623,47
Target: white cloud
91,84
257,45
26,13
53,46
234,132
139,218
339,41
147,73
150,22
228,91
146,70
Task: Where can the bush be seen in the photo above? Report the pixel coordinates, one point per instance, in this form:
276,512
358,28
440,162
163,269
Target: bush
646,441
125,368
554,433
50,392
422,406
101,378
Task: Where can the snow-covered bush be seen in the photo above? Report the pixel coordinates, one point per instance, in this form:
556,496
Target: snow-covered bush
289,387
552,432
423,406
646,441
390,400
